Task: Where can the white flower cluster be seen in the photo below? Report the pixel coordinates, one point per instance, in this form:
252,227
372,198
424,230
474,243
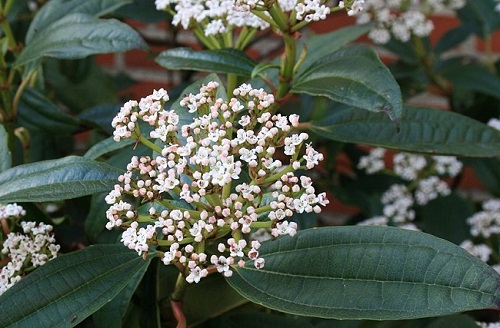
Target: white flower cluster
221,16
481,251
486,222
232,166
494,122
354,8
421,172
402,19
488,324
25,251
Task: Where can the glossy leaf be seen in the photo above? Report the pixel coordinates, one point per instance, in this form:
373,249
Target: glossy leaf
64,178
324,44
101,115
481,16
225,61
106,146
354,76
79,35
377,273
210,298
112,314
71,287
259,69
5,156
445,212
422,130
37,112
472,77
57,9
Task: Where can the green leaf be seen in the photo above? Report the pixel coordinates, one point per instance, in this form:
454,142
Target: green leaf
112,313
101,115
258,319
327,43
354,76
261,67
445,212
64,178
79,35
377,273
106,146
453,38
472,77
225,61
454,321
37,112
210,298
57,9
71,287
422,130
481,15
5,156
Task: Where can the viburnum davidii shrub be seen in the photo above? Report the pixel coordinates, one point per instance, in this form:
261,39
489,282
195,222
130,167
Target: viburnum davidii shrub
206,205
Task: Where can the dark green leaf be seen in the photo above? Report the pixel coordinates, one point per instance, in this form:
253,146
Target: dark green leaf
259,69
375,273
445,212
71,287
225,61
141,10
481,15
101,115
5,157
258,319
472,77
96,220
106,146
453,38
64,178
57,9
74,93
79,35
327,43
36,112
354,76
209,299
454,321
423,130
112,314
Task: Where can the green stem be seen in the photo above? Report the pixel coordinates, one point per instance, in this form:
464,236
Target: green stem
426,62
232,81
209,42
490,62
245,37
287,66
259,224
148,143
180,288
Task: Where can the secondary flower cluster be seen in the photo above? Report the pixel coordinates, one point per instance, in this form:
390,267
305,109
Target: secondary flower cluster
423,183
484,225
22,252
401,19
218,17
231,169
